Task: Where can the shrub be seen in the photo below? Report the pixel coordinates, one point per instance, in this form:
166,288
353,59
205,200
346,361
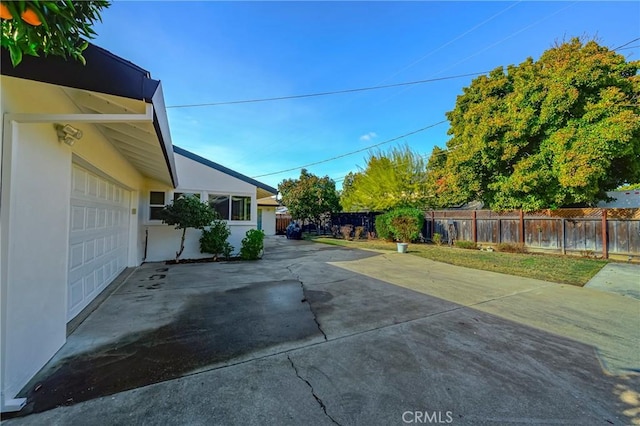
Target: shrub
346,232
466,245
252,245
214,239
511,247
357,233
382,227
405,223
437,239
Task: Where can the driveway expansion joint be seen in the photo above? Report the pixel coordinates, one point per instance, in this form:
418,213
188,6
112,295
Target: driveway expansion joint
313,393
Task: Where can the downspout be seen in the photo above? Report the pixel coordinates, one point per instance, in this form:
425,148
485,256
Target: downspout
146,242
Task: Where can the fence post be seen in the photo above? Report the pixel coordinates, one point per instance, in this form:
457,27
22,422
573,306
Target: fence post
433,221
563,242
521,227
474,227
605,241
499,231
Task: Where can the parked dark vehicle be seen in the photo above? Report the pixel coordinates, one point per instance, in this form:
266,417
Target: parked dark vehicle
294,232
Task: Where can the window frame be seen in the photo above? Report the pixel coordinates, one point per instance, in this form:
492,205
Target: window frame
230,197
169,197
151,206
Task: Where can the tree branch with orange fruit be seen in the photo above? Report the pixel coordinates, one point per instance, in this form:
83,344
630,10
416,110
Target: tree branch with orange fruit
59,28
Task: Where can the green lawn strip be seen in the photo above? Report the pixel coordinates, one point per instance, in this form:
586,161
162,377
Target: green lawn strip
554,268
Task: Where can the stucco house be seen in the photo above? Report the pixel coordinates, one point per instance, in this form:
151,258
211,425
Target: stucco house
87,161
267,215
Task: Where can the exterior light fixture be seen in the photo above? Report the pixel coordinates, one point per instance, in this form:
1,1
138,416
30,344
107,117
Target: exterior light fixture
67,133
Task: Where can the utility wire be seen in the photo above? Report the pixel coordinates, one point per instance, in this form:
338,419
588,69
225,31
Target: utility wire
363,89
353,152
627,43
334,92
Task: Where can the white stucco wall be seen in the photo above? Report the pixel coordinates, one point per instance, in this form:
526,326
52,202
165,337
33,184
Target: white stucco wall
268,220
34,219
163,240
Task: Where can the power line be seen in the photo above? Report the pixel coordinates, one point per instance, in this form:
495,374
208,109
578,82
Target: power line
627,43
352,152
334,92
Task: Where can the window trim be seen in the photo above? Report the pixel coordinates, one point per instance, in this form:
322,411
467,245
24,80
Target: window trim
150,206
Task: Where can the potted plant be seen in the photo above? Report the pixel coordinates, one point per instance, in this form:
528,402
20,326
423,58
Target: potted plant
404,228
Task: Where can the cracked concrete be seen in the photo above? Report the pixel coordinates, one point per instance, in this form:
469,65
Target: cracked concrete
382,335
316,397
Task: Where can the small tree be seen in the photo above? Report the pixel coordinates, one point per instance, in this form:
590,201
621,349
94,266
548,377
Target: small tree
59,28
187,212
214,240
310,197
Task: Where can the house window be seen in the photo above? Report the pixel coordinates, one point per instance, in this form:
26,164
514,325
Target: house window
240,208
177,195
220,203
234,207
156,204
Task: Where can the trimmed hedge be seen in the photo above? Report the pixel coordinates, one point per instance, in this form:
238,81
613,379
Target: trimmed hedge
385,223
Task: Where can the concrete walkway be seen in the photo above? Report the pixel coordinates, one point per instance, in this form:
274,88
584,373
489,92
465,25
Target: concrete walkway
618,278
314,334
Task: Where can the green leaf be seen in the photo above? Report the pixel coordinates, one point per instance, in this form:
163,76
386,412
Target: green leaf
52,6
16,54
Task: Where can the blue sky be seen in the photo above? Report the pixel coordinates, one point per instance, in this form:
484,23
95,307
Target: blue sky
207,52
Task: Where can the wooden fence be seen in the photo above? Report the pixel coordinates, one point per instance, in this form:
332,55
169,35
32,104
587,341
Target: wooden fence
580,231
282,221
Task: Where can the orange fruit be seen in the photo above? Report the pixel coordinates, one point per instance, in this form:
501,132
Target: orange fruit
30,17
4,12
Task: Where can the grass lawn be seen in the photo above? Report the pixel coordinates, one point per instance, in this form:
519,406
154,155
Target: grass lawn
555,268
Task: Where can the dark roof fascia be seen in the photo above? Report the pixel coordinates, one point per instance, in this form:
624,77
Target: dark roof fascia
220,168
104,73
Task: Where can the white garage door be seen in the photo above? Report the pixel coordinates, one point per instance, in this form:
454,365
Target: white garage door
99,236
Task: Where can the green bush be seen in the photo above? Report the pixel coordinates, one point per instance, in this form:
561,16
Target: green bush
214,239
437,239
405,223
382,227
466,245
252,245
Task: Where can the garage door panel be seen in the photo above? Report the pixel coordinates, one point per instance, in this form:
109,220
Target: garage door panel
76,256
90,284
98,237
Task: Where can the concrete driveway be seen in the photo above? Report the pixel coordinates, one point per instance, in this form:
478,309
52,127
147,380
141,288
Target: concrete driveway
314,334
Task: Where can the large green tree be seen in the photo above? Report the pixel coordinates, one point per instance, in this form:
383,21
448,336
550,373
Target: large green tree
59,28
396,178
549,133
309,197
